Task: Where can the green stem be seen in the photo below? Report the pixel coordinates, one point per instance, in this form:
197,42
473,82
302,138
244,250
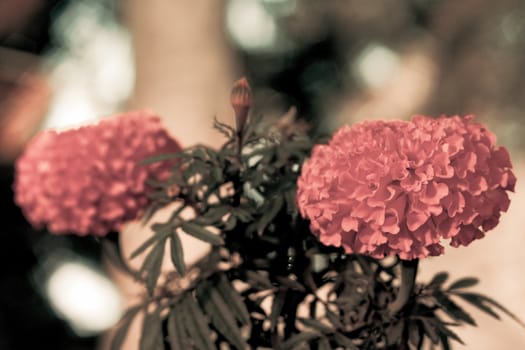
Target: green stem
408,280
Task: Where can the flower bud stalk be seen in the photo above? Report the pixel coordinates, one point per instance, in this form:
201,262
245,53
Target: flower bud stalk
408,281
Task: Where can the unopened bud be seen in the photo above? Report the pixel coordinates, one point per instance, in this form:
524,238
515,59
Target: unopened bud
241,100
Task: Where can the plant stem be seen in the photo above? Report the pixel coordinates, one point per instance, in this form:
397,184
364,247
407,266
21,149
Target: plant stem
408,279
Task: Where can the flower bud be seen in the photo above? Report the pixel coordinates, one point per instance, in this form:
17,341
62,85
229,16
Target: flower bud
241,100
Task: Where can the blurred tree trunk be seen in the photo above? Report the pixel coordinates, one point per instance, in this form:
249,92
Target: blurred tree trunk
184,71
184,64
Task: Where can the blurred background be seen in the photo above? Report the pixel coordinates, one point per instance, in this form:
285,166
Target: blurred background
63,63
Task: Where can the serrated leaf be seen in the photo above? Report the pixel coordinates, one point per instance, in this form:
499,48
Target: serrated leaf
453,310
479,301
394,333
242,214
220,314
123,327
177,335
151,337
148,214
298,339
201,233
290,197
430,329
444,331
258,280
224,129
444,341
290,283
159,158
316,325
277,306
464,283
438,279
162,233
111,251
324,344
230,223
334,318
159,197
345,342
503,309
272,209
152,265
231,297
177,253
416,334
196,324
213,215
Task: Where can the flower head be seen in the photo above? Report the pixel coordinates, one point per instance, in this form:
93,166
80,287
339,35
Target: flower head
385,188
88,180
241,101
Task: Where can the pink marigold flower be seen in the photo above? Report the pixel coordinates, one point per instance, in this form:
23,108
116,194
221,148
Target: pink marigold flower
385,188
88,180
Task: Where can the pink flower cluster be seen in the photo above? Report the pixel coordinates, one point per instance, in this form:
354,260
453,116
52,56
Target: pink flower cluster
88,180
399,188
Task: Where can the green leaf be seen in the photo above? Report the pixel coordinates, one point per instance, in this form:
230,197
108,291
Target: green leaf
480,302
324,344
464,283
256,279
316,325
152,265
438,279
111,251
277,306
345,342
290,197
123,327
290,283
453,310
444,341
334,318
416,334
224,129
196,324
230,223
242,214
213,215
231,297
298,339
220,314
159,158
160,233
150,210
159,196
177,253
177,335
151,337
429,325
271,210
201,233
445,332
394,333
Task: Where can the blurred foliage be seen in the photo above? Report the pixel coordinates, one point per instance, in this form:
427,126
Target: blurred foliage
476,47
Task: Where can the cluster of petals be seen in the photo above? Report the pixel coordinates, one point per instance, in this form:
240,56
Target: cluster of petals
89,180
385,188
